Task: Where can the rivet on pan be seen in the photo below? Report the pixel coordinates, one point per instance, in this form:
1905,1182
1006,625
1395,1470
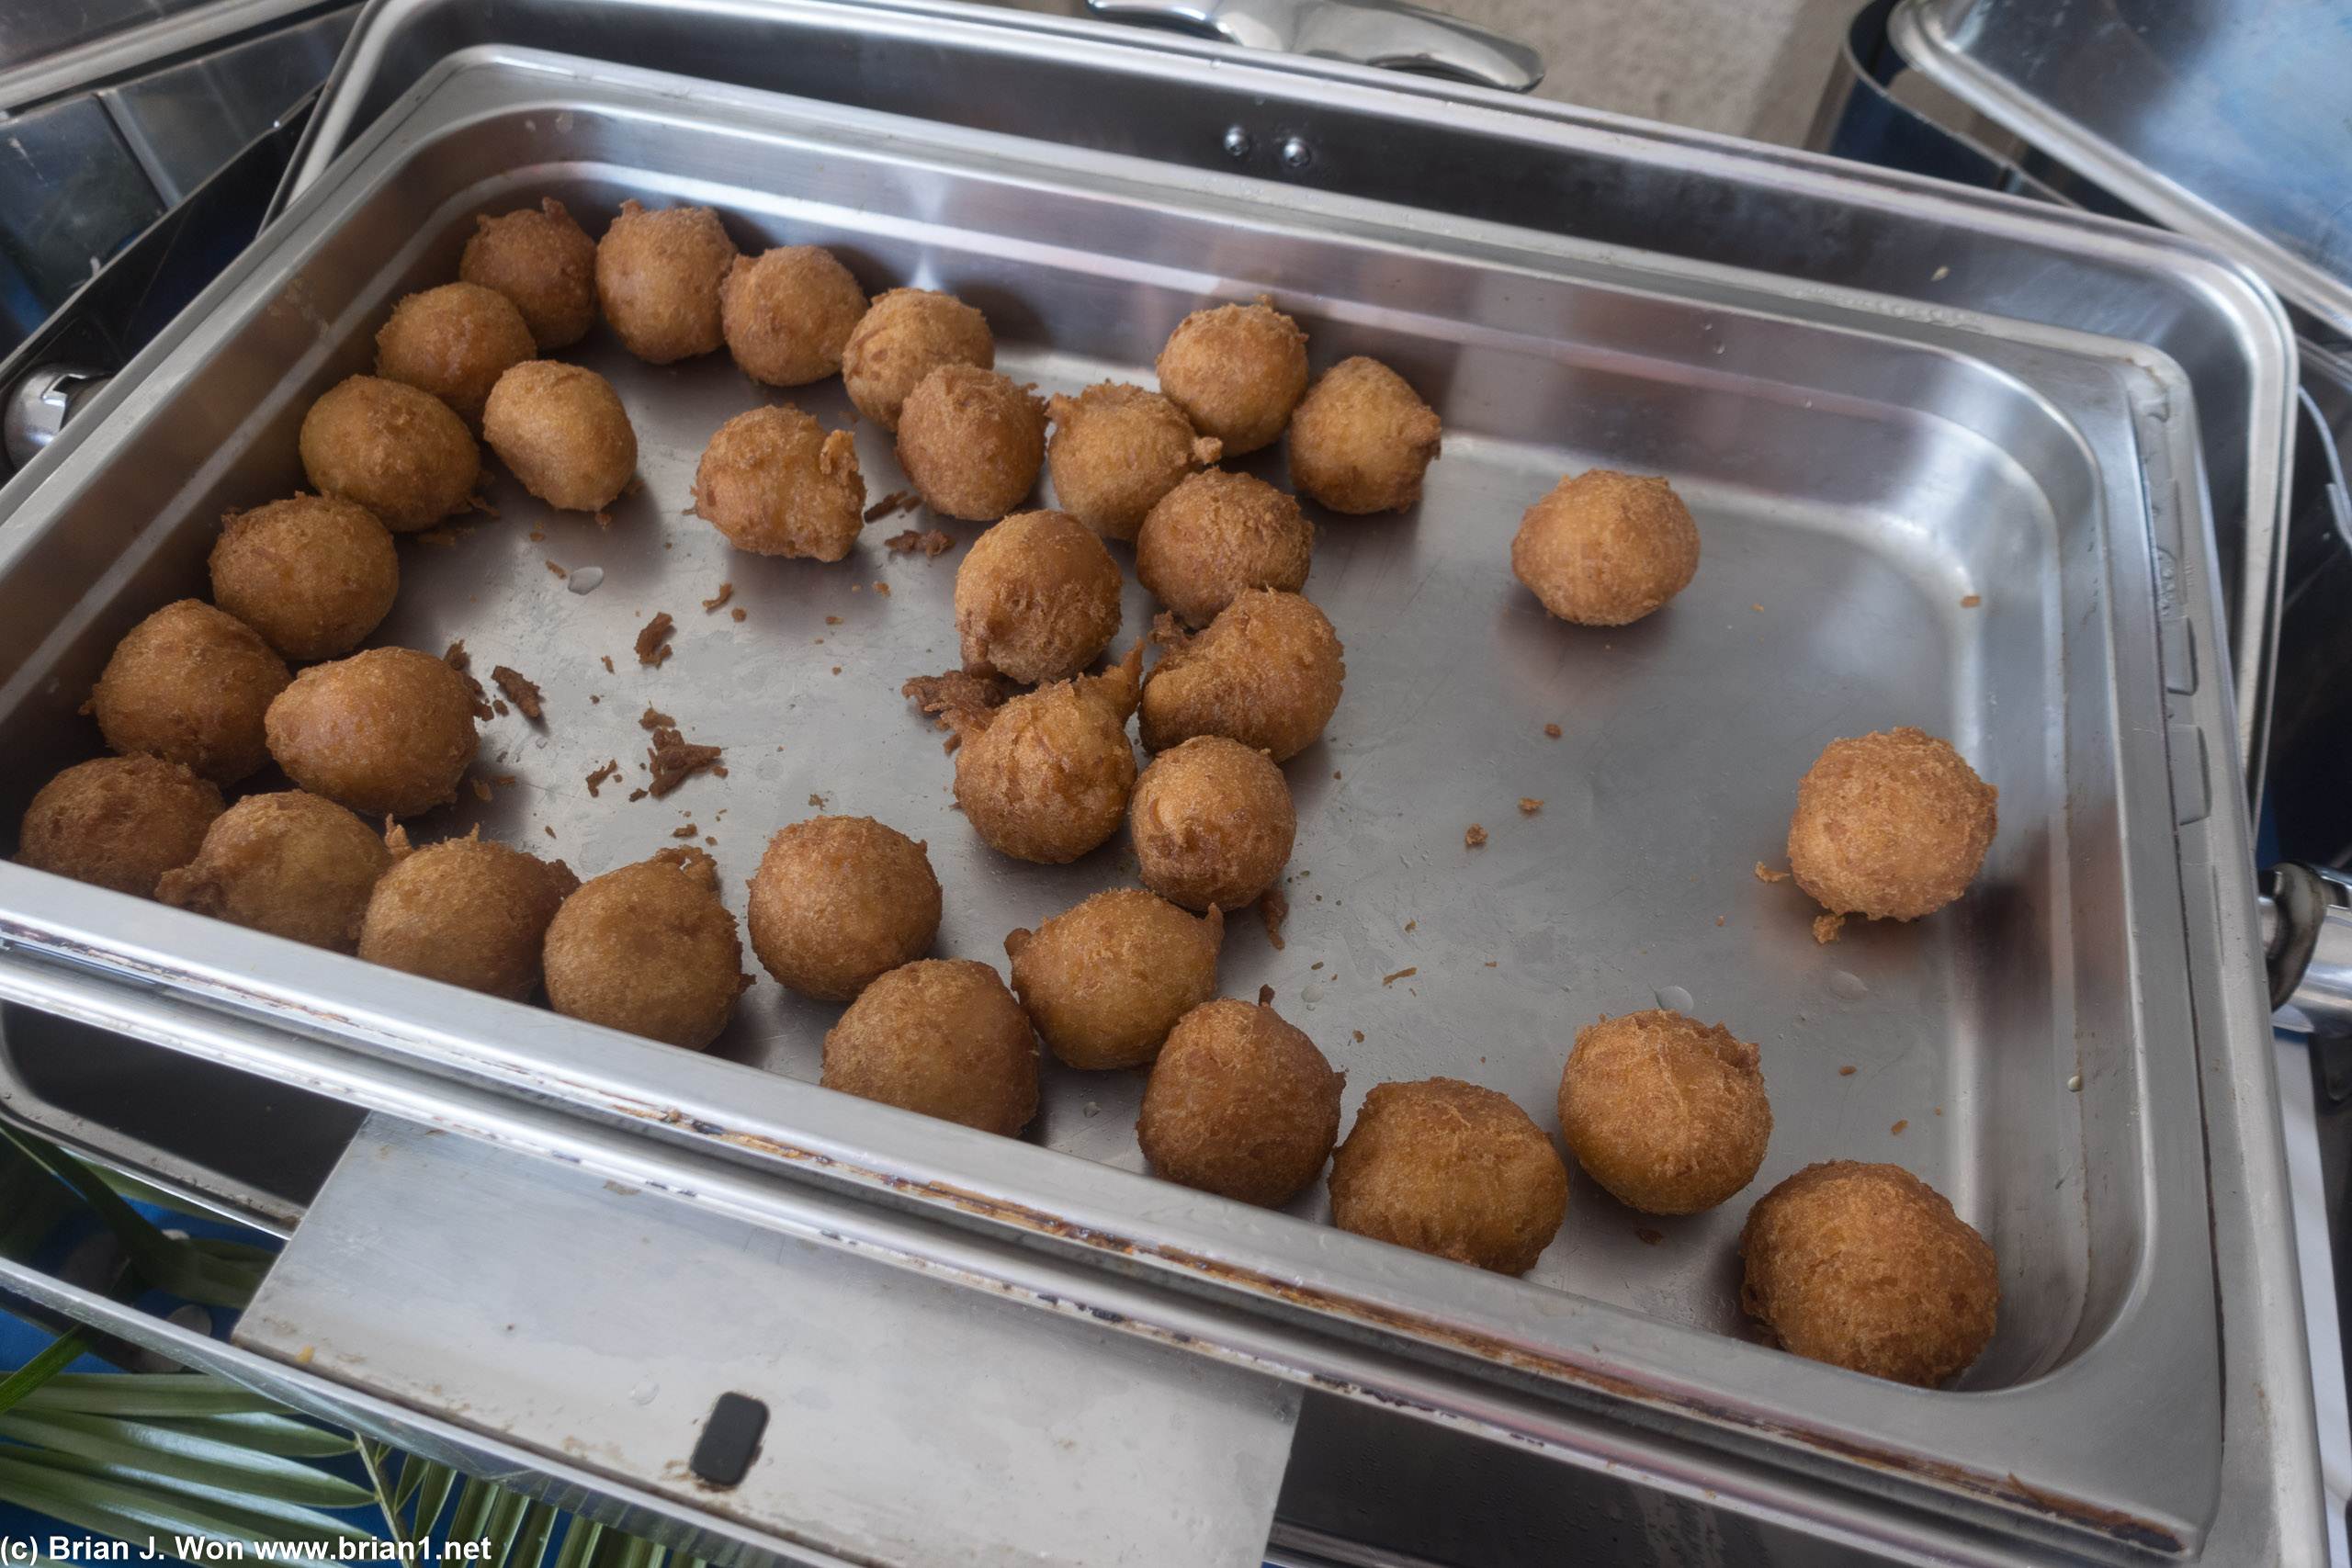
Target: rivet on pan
1296,153
1237,142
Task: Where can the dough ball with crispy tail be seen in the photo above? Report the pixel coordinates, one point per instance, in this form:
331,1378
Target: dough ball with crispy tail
1892,824
1866,1267
657,277
904,336
649,950
1104,982
942,1036
839,900
1604,548
971,441
1362,438
564,433
453,342
1267,673
1116,450
1241,1104
1237,371
777,483
1046,777
118,822
470,911
1665,1113
401,453
291,864
1447,1167
388,732
1212,823
546,265
191,684
788,314
1036,598
1217,535
313,574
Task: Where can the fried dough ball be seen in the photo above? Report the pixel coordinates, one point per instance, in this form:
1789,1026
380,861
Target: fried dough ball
1217,534
118,822
1894,825
1866,1267
562,429
657,277
401,453
388,732
971,442
777,483
1104,982
453,342
649,950
313,574
546,265
1212,823
1447,1167
1237,371
1267,673
1046,777
1667,1113
906,334
471,912
942,1036
190,684
839,900
1241,1104
1604,548
291,864
1362,439
788,314
1116,450
1036,598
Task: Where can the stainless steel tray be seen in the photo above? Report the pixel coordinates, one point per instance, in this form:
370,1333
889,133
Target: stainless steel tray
1856,485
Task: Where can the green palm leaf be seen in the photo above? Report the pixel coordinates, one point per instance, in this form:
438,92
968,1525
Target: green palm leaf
150,1395
183,1458
167,1264
83,1495
265,1433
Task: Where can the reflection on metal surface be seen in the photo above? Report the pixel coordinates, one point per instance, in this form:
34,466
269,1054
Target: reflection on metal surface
1367,33
71,193
48,47
184,122
38,406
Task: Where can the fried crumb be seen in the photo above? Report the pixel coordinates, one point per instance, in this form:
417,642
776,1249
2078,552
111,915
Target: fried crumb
638,793
897,501
1766,873
1274,908
608,662
1897,1128
498,706
830,621
457,659
609,771
737,613
1827,927
974,696
818,801
1474,837
1848,1072
654,718
1409,924
1491,963
503,780
519,689
1553,731
882,587
675,760
539,534
1649,1237
1401,974
1970,601
481,790
1265,995
653,642
440,538
547,830
1335,773
1317,964
1529,805
685,832
837,669
557,569
725,592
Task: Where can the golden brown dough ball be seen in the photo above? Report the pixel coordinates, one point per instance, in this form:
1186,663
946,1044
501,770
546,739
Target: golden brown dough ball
563,431
1267,673
1217,534
1362,439
1036,598
399,452
1892,824
942,1036
1117,449
453,342
1866,1267
544,263
313,574
1046,777
291,864
1447,1167
118,822
470,911
906,334
649,950
970,441
1104,982
788,314
1212,823
1237,371
777,483
191,684
1604,548
839,900
1667,1113
657,277
1241,1104
388,732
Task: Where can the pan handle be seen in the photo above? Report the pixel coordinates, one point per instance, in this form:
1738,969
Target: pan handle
1369,32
